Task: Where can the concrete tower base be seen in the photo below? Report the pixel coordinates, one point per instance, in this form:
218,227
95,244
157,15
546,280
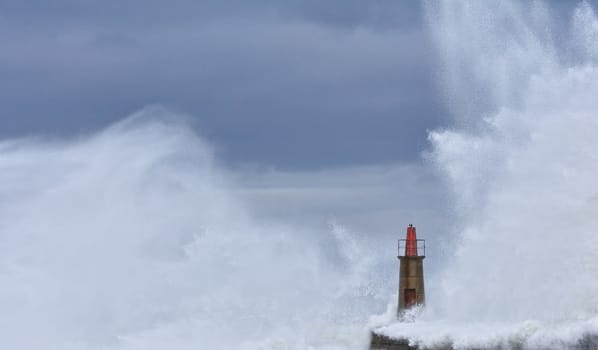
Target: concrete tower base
411,283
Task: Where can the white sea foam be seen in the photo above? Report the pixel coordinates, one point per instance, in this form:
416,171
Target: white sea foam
522,163
135,238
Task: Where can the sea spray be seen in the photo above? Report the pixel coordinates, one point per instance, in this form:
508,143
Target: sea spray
522,164
135,238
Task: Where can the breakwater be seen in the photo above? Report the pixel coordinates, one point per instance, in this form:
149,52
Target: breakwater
382,342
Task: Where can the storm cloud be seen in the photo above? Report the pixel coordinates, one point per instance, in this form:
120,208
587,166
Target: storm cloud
295,85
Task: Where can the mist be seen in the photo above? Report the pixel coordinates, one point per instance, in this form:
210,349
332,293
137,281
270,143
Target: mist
136,237
521,164
141,236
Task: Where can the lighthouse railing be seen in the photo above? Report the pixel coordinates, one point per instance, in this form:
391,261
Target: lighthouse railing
419,243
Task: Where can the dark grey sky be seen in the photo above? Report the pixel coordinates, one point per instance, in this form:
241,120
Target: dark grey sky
291,84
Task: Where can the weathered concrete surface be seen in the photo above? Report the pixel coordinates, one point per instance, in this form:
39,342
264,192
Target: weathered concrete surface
411,276
381,342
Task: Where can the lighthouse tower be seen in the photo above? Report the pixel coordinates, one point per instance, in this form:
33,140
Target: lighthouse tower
412,252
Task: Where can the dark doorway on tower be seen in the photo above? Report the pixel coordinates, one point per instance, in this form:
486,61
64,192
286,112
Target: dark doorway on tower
410,297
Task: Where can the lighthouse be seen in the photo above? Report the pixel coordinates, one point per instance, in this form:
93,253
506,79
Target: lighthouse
412,252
